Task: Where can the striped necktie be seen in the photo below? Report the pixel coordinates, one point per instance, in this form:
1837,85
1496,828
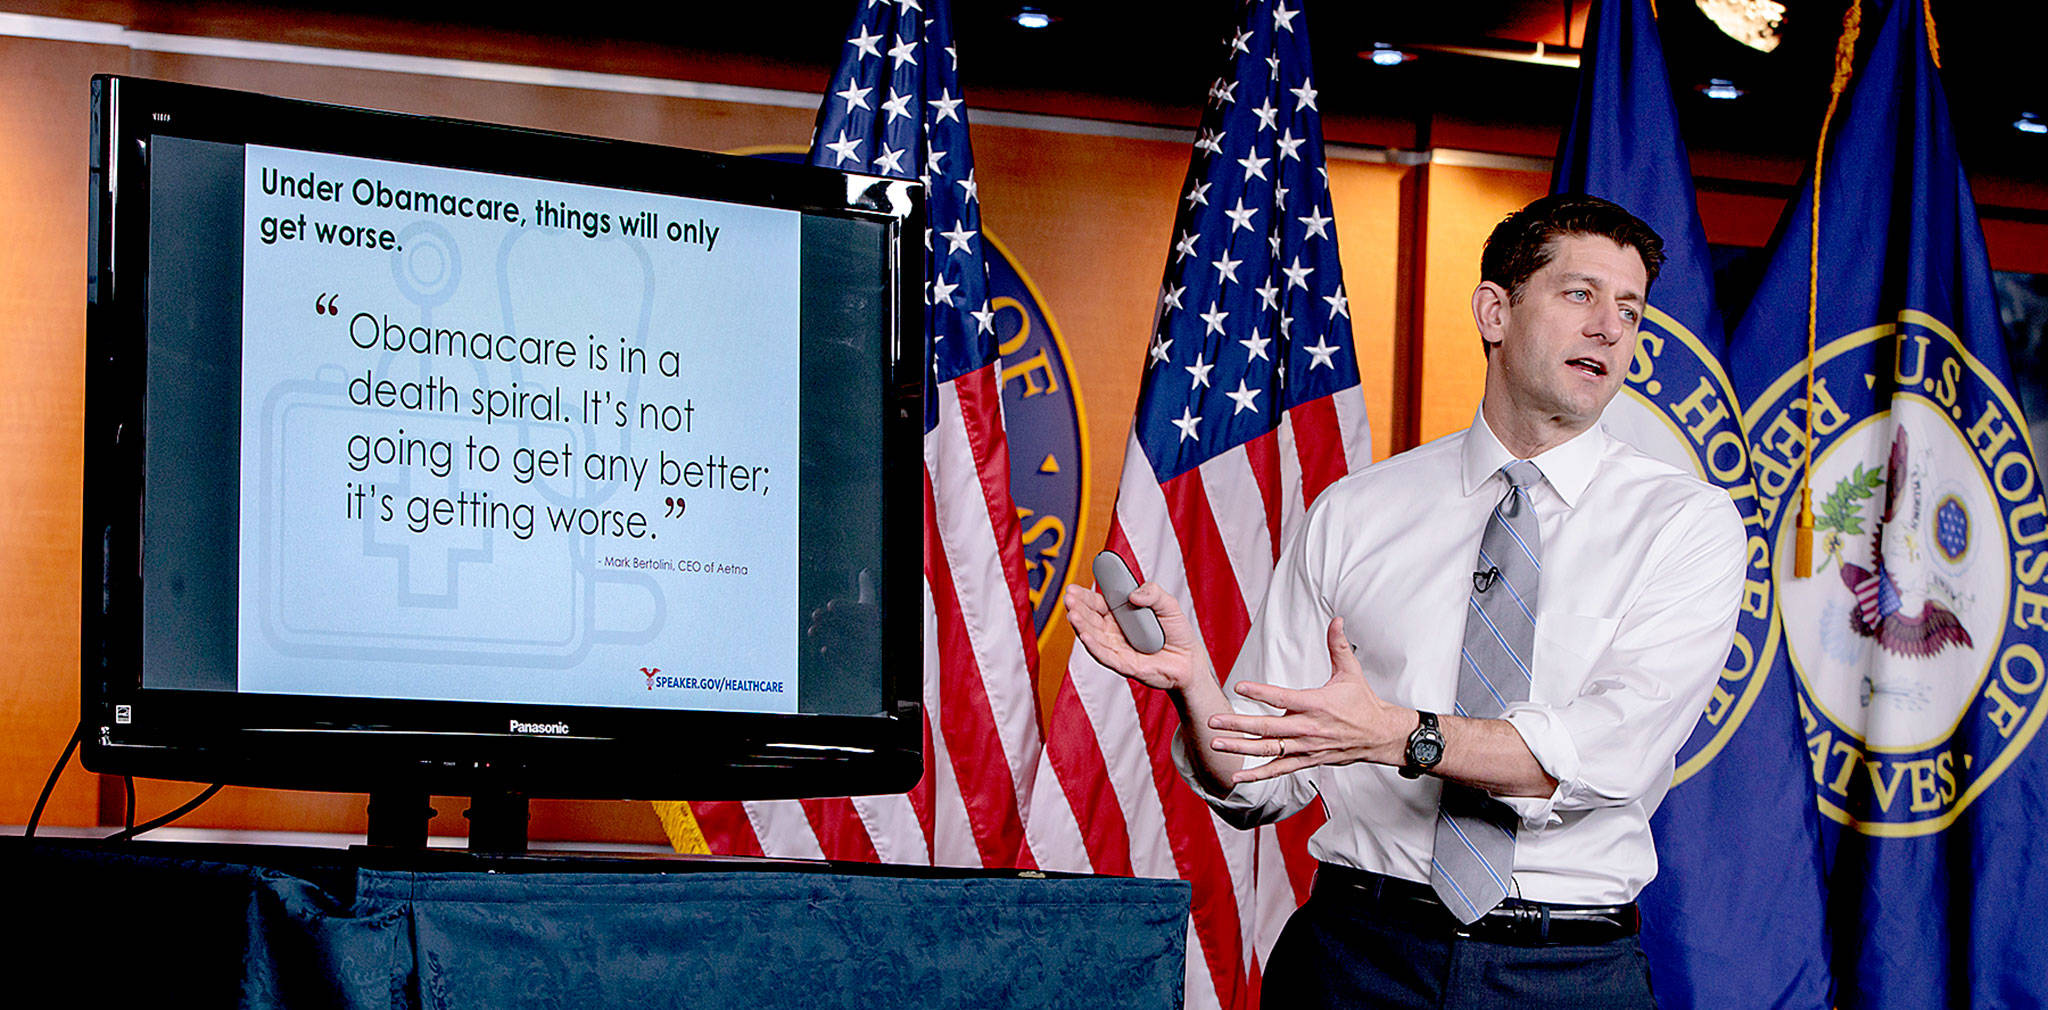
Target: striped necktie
1474,859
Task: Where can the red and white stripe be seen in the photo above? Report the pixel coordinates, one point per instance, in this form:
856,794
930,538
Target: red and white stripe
980,675
1870,598
1108,797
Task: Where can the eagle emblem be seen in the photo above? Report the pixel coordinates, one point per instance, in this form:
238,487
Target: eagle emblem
1881,609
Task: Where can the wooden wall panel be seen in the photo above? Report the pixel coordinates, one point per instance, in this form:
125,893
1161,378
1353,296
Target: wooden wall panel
1366,202
1464,205
42,401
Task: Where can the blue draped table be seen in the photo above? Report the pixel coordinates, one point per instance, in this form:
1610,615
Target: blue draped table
200,925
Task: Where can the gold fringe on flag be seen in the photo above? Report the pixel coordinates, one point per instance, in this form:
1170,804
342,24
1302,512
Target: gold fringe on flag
684,835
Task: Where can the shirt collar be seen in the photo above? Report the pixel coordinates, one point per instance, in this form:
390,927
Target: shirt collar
1568,468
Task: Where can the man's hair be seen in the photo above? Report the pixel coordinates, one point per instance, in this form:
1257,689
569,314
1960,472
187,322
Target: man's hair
1521,244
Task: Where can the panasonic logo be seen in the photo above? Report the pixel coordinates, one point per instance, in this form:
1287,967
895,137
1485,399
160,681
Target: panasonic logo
543,728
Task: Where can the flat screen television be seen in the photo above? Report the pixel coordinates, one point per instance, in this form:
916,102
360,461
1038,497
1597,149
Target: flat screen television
426,456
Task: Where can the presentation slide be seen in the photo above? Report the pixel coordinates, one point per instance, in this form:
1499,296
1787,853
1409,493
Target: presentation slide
512,440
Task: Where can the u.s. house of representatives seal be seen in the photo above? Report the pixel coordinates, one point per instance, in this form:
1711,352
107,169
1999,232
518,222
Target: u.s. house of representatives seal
1917,640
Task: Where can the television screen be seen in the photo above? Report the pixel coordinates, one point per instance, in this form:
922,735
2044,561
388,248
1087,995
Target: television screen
427,454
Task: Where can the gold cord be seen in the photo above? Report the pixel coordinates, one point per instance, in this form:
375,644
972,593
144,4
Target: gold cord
1933,42
1845,62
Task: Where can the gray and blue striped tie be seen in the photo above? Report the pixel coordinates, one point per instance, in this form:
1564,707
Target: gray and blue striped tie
1475,833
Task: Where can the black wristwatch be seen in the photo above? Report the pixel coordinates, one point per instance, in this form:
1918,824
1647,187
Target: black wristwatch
1425,747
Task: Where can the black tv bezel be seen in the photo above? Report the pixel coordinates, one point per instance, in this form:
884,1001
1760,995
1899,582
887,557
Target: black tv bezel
344,744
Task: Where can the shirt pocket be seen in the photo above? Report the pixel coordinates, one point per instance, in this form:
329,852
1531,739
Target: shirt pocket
1568,647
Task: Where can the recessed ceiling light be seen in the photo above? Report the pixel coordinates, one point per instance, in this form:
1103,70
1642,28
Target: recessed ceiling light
1721,88
1384,55
1032,17
2030,123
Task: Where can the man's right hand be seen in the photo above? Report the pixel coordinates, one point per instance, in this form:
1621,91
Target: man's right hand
1172,668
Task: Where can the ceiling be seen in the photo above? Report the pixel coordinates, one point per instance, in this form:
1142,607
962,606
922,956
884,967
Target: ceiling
1152,62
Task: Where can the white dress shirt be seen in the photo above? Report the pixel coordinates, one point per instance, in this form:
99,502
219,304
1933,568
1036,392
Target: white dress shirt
1642,575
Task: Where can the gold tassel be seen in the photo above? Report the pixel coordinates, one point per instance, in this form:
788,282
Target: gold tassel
1802,537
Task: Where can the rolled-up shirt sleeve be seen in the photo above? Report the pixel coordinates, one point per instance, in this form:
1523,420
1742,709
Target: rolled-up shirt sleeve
1248,805
1614,741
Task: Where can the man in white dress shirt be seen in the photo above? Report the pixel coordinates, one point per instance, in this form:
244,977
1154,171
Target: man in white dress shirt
1351,681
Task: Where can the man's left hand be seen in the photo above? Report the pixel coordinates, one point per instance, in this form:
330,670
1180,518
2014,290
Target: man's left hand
1341,722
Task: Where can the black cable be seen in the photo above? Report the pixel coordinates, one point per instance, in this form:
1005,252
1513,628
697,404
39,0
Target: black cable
128,787
50,784
187,807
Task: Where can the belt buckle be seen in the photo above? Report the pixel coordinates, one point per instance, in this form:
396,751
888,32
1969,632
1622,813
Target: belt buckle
1529,924
1518,925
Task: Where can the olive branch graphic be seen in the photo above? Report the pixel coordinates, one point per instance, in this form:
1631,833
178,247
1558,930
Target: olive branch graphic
1841,513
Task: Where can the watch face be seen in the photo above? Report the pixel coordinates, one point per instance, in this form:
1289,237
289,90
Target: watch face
1427,752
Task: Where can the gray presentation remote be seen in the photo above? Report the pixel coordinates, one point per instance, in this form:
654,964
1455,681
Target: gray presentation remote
1113,579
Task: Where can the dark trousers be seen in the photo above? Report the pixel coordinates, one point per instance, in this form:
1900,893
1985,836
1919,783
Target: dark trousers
1338,952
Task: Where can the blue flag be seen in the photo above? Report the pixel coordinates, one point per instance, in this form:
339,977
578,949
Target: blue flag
1734,917
1918,641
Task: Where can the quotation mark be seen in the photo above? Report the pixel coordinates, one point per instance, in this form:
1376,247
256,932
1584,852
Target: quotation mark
327,305
675,507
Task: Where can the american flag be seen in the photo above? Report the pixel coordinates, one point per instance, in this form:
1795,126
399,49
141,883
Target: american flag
1876,597
1249,408
894,109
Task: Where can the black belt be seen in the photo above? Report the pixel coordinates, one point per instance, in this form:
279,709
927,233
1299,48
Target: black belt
1515,921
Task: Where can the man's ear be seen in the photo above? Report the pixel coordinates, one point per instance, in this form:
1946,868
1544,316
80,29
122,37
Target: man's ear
1489,311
